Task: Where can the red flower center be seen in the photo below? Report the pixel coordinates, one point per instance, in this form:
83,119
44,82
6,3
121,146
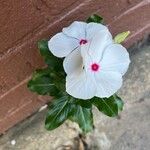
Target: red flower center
83,41
95,67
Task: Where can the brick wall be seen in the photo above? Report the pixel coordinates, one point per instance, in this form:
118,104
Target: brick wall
24,22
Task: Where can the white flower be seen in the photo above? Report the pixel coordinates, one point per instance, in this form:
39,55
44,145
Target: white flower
96,69
94,64
77,34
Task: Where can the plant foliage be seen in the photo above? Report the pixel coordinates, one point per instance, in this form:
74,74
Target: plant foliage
51,81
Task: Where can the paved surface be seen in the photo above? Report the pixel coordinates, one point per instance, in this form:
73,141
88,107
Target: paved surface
129,132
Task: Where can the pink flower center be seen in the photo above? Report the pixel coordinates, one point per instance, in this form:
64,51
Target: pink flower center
95,67
83,41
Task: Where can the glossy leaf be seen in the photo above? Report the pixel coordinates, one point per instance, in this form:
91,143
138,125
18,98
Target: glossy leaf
109,106
53,62
83,103
43,47
42,83
95,18
119,102
121,37
83,117
41,72
57,113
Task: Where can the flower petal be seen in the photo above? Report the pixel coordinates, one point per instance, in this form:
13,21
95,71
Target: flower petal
93,28
107,83
76,30
73,61
80,85
60,45
115,58
97,45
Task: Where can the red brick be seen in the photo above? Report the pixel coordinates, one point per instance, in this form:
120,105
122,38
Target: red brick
18,103
18,66
18,18
138,24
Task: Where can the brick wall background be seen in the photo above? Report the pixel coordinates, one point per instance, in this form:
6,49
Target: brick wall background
24,22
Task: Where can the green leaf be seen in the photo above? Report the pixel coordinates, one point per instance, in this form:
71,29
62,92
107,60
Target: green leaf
42,83
53,62
95,18
57,113
83,117
119,38
83,103
109,106
43,47
119,102
66,108
40,72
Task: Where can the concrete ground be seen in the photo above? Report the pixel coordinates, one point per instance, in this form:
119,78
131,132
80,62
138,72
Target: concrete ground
131,131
